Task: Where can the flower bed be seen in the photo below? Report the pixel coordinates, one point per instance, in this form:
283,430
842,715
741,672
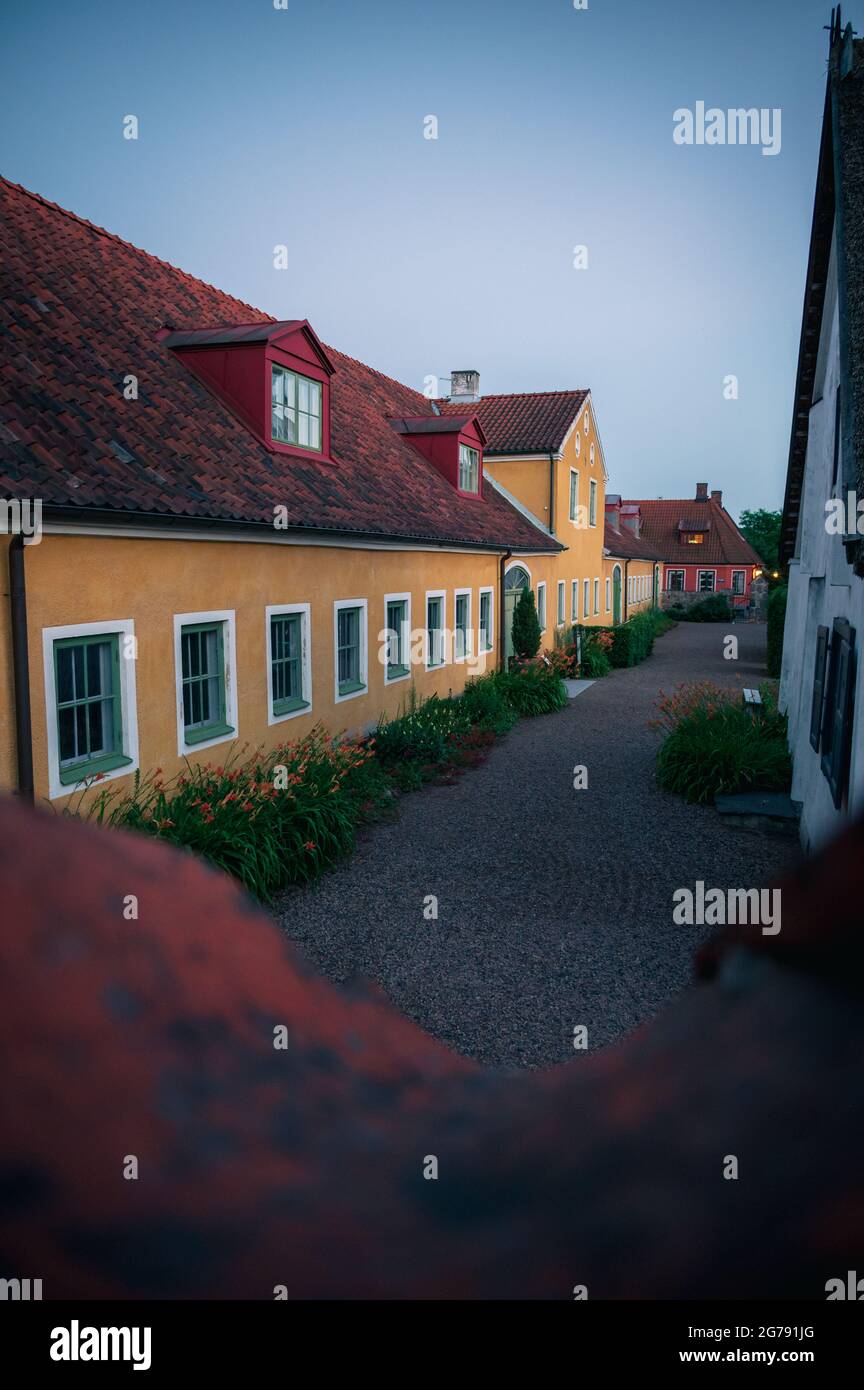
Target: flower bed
715,745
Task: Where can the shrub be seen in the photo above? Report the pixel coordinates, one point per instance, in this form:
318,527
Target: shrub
776,625
526,631
713,609
487,704
534,690
596,645
424,733
715,745
271,821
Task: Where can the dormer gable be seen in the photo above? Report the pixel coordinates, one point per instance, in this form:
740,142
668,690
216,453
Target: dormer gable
453,444
274,376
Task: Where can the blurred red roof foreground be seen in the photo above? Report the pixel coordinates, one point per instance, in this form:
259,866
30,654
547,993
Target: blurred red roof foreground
533,423
303,1166
723,544
81,310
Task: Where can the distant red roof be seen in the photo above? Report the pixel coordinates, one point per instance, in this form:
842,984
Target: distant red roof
623,545
81,310
723,544
533,423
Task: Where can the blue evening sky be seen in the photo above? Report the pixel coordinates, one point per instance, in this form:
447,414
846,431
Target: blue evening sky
304,126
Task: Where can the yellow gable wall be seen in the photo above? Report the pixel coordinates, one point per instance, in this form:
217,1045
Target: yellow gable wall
85,579
528,480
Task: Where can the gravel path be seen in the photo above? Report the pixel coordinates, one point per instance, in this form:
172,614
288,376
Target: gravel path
555,905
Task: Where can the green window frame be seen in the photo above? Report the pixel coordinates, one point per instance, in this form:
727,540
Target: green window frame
469,469
574,492
461,629
89,715
287,663
396,619
349,669
434,631
202,660
486,621
574,600
295,409
592,503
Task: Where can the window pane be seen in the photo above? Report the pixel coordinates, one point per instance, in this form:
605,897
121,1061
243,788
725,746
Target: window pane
67,734
65,681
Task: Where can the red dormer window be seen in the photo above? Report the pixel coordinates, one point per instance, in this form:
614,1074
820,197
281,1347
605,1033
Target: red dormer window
452,444
275,377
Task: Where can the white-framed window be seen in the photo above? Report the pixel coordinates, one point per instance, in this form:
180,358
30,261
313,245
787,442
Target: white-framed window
436,620
90,702
295,409
578,443
562,601
574,493
463,644
487,610
707,581
586,597
350,648
396,654
592,503
289,661
586,422
574,600
541,604
739,581
675,581
205,664
592,456
469,468
596,596
608,595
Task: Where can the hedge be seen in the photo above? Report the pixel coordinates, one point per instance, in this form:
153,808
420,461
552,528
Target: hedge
776,626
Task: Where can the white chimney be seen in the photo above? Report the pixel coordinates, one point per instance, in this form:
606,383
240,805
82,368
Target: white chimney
464,387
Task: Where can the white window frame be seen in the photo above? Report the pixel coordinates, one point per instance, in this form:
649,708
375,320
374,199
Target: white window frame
699,574
541,604
574,600
486,589
442,594
469,636
561,609
123,628
586,598
596,597
586,421
592,502
578,442
743,574
280,610
471,458
669,574
227,617
363,605
608,594
573,499
406,637
591,456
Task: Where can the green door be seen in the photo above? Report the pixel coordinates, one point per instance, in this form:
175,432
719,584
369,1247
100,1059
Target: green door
616,594
515,580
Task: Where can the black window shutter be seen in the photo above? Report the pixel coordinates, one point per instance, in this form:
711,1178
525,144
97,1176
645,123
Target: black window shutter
818,686
837,734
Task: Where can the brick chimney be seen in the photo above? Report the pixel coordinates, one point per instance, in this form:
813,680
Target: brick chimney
717,496
701,492
464,387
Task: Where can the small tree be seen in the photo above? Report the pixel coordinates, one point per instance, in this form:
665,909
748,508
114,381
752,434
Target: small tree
526,626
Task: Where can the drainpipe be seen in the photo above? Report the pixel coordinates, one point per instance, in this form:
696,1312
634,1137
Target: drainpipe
626,594
552,493
502,636
21,669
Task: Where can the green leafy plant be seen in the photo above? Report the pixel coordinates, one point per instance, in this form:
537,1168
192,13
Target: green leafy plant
534,690
713,609
776,627
526,631
715,745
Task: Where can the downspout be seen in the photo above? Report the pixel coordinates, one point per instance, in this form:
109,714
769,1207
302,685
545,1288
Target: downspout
626,594
502,636
21,668
552,492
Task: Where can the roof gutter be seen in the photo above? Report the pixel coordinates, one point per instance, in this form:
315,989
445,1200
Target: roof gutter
21,668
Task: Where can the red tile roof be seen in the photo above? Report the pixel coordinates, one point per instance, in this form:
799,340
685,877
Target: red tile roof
623,545
80,310
723,544
533,423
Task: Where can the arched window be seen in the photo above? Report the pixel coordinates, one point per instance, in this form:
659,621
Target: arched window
516,578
